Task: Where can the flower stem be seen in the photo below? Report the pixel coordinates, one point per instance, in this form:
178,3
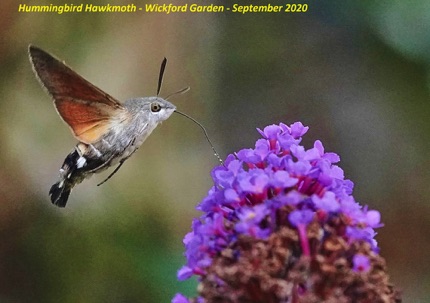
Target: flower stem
304,242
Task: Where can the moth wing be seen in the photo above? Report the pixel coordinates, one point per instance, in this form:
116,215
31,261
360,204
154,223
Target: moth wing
89,121
88,110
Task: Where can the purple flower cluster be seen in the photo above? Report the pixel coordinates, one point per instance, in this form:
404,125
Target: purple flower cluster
253,186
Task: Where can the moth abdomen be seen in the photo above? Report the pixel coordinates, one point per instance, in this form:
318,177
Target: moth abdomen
76,167
60,191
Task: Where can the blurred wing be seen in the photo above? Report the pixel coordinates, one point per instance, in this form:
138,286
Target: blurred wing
88,110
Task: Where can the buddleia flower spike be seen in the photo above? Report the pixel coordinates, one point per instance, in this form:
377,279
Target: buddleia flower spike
280,224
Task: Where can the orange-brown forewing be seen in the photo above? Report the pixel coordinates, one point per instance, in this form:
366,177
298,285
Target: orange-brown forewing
88,120
88,110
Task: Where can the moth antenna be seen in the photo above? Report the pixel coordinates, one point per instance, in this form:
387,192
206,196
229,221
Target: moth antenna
179,92
160,77
205,132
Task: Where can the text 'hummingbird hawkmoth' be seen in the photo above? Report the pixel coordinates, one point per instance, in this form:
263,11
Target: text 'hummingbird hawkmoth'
108,131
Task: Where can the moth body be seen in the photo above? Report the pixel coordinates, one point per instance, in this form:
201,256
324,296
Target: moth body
108,132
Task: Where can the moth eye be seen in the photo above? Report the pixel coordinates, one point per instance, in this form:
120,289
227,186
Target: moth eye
155,107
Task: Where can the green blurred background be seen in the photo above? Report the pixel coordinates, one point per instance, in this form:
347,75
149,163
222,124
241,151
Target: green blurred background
356,72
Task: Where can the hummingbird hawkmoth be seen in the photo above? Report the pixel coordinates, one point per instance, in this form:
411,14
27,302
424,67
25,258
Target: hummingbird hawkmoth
109,132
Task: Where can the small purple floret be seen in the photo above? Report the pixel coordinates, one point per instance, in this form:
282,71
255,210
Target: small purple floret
301,217
178,298
361,263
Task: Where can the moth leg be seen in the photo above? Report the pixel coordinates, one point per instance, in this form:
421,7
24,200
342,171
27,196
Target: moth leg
118,167
113,173
102,165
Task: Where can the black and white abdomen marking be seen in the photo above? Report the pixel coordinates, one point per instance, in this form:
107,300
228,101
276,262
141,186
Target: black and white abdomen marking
69,176
78,165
